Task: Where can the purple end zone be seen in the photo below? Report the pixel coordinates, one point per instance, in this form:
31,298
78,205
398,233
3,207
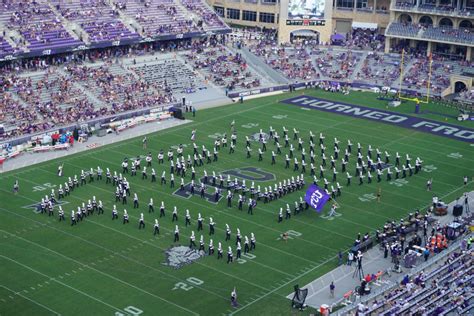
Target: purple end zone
397,119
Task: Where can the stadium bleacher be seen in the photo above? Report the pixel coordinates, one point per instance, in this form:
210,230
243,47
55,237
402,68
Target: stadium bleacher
444,289
461,35
336,64
224,68
158,17
118,88
361,39
50,27
5,48
466,96
294,61
97,18
171,74
403,29
381,69
38,25
47,26
210,20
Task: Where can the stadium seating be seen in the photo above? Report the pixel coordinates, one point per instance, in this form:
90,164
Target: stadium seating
380,69
43,100
416,77
210,20
5,48
294,62
466,96
403,29
224,68
58,25
444,290
449,34
158,17
365,40
172,74
117,88
336,64
106,87
97,18
38,25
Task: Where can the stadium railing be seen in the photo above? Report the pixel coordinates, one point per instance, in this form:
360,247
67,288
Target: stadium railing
431,261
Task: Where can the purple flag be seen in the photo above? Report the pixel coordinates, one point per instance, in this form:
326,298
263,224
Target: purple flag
316,197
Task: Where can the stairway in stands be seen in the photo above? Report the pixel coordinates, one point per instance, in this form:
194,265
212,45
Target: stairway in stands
262,68
359,65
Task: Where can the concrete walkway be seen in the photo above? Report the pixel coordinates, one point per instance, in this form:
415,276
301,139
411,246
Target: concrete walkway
345,277
29,159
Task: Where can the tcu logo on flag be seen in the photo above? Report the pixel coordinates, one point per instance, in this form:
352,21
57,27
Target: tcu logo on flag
316,197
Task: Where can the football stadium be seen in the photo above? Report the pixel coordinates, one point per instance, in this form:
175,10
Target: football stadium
236,157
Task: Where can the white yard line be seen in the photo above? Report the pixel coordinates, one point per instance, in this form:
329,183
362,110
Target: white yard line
281,286
30,299
103,273
59,282
114,253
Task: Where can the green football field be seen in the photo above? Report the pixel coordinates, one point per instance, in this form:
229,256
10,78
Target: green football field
103,267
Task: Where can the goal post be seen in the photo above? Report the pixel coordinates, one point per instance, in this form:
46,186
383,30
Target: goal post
426,99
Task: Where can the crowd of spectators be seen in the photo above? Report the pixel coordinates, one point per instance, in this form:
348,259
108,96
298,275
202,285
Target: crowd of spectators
462,35
32,112
447,288
119,89
223,67
467,95
379,68
56,99
209,20
337,65
294,61
439,286
41,25
37,23
365,40
158,17
97,18
417,77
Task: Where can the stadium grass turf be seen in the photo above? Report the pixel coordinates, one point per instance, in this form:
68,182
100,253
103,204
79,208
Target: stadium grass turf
102,267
